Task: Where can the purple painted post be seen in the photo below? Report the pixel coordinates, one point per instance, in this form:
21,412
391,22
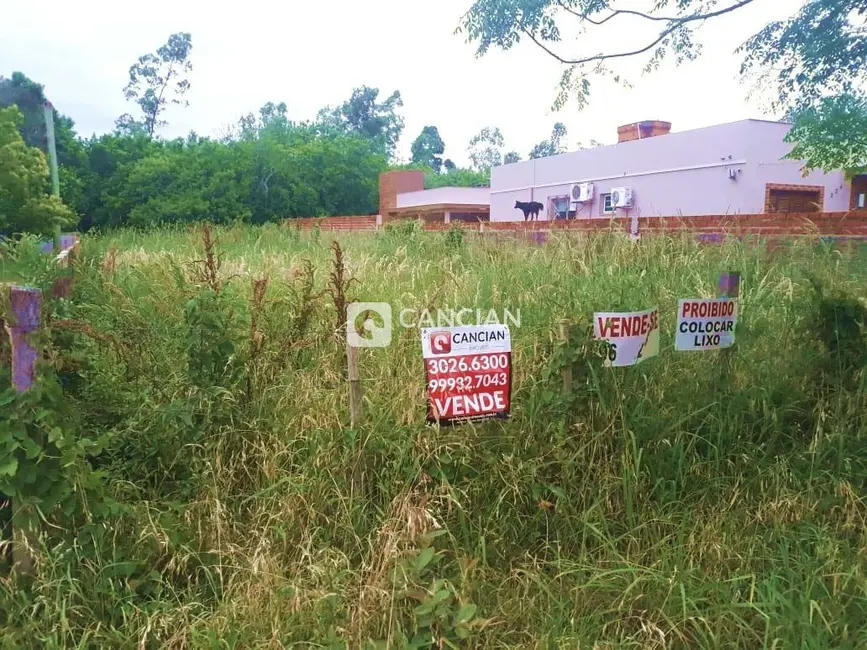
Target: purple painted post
26,303
26,308
730,284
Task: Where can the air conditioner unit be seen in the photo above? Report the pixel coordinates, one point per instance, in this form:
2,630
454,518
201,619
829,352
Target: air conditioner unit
582,192
621,197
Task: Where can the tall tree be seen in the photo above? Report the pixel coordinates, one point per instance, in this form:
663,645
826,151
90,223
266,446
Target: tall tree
25,205
831,134
820,51
428,148
30,99
157,81
511,157
485,149
552,146
362,115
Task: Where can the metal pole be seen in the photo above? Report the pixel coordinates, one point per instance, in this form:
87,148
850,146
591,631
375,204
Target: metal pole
52,161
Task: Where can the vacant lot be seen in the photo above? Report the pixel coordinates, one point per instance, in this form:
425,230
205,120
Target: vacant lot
222,499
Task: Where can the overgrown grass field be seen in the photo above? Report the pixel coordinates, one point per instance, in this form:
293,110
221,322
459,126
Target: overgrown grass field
223,500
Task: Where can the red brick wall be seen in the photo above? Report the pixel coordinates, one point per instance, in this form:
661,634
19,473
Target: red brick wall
334,224
812,223
393,183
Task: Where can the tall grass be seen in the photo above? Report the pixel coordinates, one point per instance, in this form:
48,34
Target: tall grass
688,502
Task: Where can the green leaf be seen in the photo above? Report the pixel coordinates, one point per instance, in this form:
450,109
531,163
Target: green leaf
465,613
424,558
31,449
8,466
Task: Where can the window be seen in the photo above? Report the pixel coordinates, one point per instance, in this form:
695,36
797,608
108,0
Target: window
861,198
783,199
606,205
558,207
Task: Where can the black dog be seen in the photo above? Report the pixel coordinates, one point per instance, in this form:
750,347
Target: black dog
529,208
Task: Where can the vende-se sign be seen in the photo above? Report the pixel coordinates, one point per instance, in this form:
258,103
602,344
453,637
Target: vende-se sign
706,324
469,374
632,336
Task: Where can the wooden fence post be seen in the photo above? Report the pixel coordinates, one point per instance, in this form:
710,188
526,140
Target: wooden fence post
26,304
355,394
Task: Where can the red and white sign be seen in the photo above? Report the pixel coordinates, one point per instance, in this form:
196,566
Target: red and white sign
469,372
632,336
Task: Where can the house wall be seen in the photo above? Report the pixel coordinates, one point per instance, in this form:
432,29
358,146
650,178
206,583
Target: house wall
459,195
679,173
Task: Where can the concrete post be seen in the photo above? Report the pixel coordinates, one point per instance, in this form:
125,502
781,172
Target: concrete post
26,303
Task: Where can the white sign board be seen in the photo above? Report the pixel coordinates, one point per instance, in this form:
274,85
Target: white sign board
633,336
706,324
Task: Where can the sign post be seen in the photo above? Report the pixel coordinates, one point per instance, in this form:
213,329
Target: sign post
26,304
469,373
632,336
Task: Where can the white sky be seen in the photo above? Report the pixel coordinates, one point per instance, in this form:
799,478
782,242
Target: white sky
310,54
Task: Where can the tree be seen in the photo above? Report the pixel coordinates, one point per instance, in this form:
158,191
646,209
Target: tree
362,115
485,149
820,51
458,178
25,205
449,165
831,135
822,48
29,97
511,157
553,145
427,149
157,81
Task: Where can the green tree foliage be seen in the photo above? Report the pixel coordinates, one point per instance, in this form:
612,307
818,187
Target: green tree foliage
361,115
157,81
511,157
458,178
30,99
485,149
428,148
25,205
553,145
671,23
831,134
820,51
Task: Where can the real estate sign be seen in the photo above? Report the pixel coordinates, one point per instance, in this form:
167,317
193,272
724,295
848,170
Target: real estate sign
469,372
632,336
706,324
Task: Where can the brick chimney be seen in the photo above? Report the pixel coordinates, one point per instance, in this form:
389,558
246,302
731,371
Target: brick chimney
641,130
397,182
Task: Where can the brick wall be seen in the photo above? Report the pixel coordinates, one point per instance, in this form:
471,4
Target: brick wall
393,183
853,223
335,224
641,130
